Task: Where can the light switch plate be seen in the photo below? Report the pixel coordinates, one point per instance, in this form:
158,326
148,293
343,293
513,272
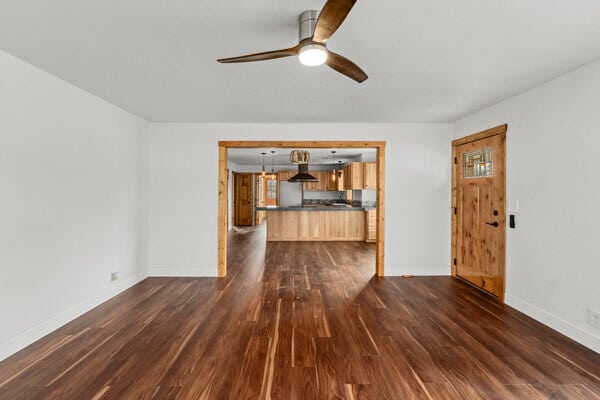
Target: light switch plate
594,318
514,206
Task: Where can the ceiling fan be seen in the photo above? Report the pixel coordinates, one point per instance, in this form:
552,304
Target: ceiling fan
315,29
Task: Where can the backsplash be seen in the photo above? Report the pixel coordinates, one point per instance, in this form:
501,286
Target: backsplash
366,203
324,201
309,195
356,203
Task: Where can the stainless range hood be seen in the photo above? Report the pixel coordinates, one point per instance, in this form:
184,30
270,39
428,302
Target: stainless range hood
303,175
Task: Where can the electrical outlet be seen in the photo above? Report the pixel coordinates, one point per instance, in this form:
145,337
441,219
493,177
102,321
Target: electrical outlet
594,319
114,276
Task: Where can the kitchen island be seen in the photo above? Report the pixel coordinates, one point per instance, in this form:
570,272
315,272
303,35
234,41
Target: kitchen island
315,223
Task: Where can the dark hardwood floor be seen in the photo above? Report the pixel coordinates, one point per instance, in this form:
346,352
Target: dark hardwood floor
302,321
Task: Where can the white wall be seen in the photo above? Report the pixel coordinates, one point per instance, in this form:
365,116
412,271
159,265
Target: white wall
72,203
183,191
553,257
290,194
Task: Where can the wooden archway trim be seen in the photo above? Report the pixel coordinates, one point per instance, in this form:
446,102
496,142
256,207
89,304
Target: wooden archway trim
223,183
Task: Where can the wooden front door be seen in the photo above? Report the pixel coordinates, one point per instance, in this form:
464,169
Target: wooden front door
479,210
242,200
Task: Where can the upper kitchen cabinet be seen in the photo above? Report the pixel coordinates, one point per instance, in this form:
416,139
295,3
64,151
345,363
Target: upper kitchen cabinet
335,181
322,185
369,175
312,186
323,180
285,175
354,176
340,180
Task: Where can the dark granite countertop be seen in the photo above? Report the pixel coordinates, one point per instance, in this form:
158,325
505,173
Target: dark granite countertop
314,208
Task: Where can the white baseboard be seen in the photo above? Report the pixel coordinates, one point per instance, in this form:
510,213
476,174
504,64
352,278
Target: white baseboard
31,335
182,272
566,328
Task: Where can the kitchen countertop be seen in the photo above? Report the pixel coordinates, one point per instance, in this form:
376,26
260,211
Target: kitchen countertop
314,208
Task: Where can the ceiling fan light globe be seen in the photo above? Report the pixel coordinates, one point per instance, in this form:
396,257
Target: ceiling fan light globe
312,55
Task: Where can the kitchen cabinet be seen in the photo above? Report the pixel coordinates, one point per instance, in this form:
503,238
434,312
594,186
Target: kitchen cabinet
369,175
312,186
332,181
319,226
346,177
335,181
321,186
285,175
360,176
340,181
353,176
371,226
324,180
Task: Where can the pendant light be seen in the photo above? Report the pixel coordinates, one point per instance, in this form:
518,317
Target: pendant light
273,164
263,173
334,173
299,157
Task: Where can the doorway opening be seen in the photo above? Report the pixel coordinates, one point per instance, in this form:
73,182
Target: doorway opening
374,170
250,192
479,210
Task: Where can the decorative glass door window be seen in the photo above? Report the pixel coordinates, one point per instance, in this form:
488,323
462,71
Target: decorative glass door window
272,190
477,164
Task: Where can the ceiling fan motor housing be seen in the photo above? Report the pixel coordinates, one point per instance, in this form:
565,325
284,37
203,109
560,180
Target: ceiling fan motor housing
307,22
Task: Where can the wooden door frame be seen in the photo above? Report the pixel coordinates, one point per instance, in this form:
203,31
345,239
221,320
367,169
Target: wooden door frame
223,189
499,131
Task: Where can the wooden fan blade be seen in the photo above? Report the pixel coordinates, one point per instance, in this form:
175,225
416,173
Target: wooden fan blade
266,55
344,66
332,15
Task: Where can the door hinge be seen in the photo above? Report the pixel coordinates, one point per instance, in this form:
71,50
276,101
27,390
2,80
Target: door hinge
455,160
454,210
454,261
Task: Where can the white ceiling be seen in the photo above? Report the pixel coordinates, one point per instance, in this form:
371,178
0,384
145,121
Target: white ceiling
282,156
428,60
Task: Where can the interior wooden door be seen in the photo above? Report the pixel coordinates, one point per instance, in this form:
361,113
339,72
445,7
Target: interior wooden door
480,212
242,200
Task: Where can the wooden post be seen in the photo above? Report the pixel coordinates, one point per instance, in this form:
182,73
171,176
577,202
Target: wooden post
223,216
380,245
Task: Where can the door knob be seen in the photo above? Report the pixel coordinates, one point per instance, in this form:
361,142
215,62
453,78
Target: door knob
494,224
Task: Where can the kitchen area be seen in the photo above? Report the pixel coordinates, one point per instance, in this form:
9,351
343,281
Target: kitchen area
320,194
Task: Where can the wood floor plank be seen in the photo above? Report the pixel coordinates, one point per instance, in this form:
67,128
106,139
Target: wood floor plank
301,321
